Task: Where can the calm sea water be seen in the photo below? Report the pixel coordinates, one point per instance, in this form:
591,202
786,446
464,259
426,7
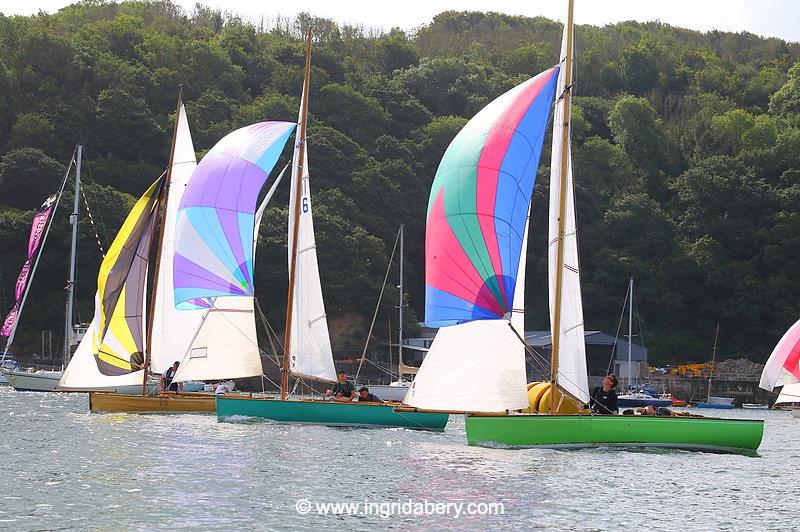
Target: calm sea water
63,468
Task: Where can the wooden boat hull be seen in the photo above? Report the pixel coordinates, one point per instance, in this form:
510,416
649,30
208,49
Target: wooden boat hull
330,413
741,436
170,403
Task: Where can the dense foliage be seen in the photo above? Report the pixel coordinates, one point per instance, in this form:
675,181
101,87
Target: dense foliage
686,153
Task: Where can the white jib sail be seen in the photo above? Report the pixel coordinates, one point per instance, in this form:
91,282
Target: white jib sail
478,366
173,329
82,374
310,345
572,375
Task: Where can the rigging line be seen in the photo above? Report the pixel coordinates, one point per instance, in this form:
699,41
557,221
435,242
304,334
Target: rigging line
378,305
269,330
96,201
561,376
91,222
616,336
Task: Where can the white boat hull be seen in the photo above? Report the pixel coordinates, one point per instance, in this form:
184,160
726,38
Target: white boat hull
395,391
40,381
755,406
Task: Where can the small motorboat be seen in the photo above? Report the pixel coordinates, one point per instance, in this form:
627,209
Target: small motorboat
755,406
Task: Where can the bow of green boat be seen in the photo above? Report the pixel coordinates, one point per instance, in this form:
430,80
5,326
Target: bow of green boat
741,436
330,413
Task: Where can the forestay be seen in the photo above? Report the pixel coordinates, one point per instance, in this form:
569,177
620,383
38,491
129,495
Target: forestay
572,374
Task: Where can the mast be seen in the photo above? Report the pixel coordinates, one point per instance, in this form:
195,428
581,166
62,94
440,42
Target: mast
630,329
402,302
713,359
295,229
562,203
162,207
73,220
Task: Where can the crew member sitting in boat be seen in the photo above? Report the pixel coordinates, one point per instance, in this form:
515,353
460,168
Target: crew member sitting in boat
364,395
167,376
343,390
604,399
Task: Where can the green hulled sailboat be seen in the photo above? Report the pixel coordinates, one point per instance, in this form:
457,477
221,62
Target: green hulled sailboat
476,240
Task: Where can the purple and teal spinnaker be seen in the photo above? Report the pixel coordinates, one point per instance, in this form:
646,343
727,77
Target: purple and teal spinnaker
216,218
479,203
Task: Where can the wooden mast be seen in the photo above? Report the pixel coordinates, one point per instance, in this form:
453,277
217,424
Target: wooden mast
562,203
162,206
296,215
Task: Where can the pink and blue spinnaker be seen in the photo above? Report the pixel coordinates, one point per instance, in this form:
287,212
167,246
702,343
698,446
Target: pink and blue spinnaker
478,206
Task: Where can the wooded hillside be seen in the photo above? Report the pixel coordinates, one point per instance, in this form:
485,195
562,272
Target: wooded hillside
686,154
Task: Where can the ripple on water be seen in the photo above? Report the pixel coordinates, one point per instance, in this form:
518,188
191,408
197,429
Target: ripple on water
66,468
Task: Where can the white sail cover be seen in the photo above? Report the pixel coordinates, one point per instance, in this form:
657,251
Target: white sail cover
310,345
173,329
478,366
82,374
783,365
790,393
572,375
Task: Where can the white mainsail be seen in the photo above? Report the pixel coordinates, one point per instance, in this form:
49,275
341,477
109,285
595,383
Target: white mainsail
572,374
478,366
310,345
173,329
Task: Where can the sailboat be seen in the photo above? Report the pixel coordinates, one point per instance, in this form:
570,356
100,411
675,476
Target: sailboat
714,401
475,247
396,390
636,397
43,380
215,341
307,350
782,369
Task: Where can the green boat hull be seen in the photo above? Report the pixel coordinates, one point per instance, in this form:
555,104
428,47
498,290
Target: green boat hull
330,413
696,434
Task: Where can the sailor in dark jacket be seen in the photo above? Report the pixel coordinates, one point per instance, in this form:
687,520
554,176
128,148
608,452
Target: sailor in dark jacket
604,398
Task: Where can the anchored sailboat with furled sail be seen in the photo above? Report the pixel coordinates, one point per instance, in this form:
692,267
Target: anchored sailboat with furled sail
475,245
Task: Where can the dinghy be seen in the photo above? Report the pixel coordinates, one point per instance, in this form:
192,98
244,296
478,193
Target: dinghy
475,246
